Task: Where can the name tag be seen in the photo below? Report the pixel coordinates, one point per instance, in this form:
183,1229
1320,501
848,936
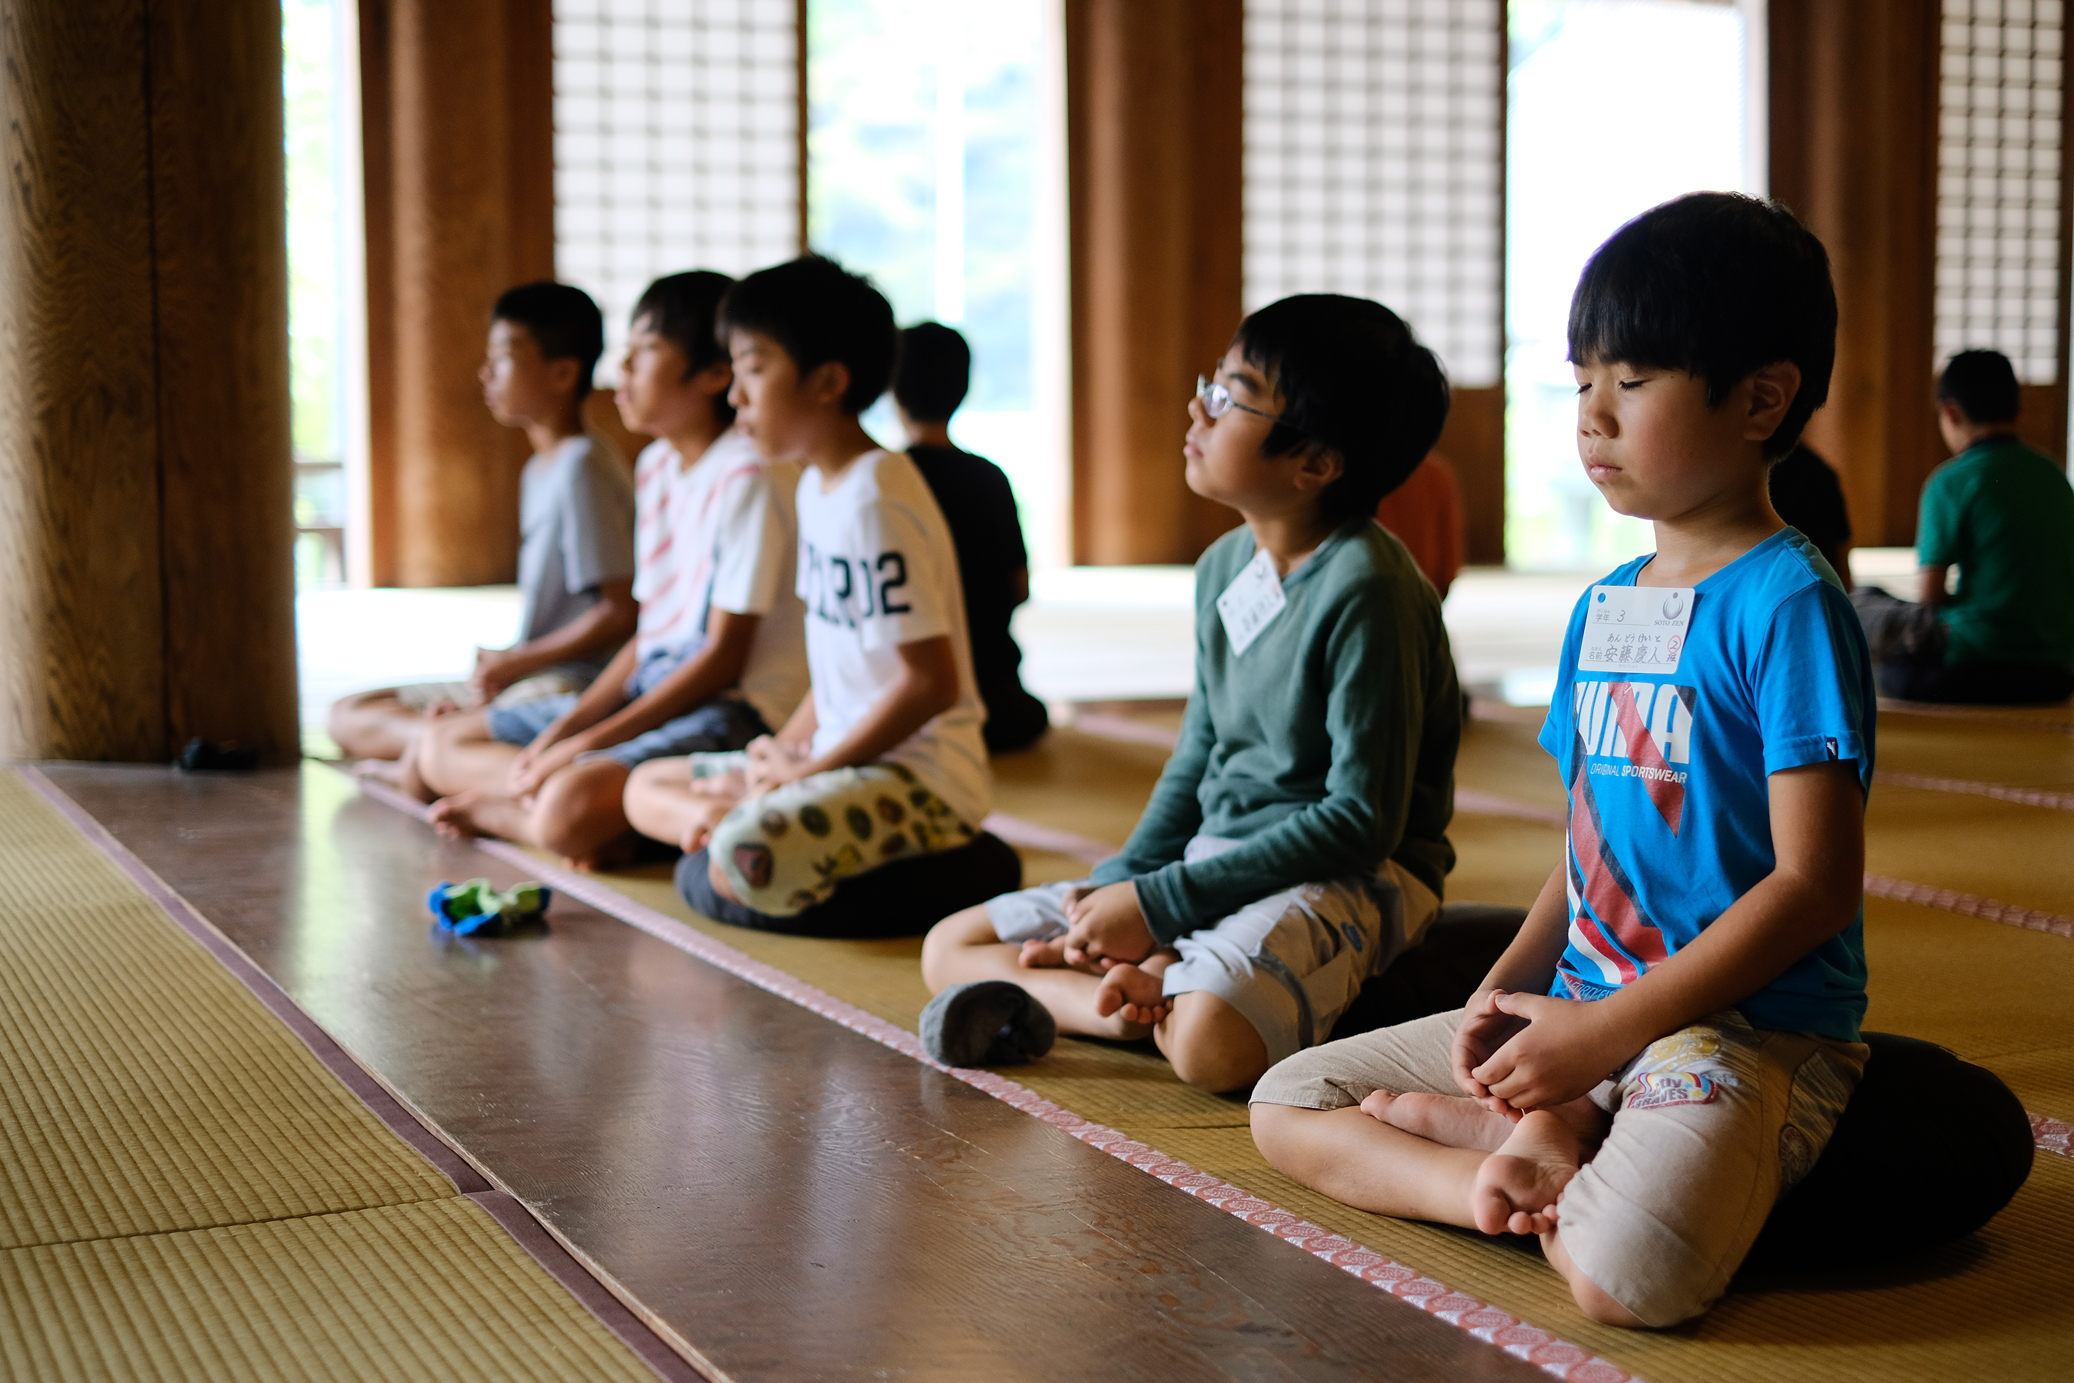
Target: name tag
1635,628
1251,602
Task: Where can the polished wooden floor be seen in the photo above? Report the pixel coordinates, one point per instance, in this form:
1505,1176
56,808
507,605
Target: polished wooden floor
779,1197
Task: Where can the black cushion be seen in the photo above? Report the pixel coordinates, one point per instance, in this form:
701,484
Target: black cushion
1928,1150
904,898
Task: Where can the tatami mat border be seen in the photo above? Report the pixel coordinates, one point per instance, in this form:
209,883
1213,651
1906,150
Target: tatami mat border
1989,719
2001,792
2052,1135
507,1210
1516,1337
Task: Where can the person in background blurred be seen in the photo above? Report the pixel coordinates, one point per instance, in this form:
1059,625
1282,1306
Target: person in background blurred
1425,514
929,383
1806,493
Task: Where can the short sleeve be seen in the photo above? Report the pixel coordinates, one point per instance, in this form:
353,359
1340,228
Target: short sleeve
753,545
905,588
597,524
1813,683
1939,541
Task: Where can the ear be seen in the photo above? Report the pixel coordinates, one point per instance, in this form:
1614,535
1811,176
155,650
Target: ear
715,378
1949,411
565,372
1773,388
1317,468
827,382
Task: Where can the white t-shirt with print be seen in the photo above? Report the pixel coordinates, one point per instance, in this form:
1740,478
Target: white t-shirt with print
719,534
877,569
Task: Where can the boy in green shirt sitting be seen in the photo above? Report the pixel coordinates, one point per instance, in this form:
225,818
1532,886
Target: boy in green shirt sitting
1296,842
2003,514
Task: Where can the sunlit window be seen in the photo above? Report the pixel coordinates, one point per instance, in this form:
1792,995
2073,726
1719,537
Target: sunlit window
1616,105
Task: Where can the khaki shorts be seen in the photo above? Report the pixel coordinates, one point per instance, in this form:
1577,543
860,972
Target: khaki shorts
1711,1125
1291,962
422,697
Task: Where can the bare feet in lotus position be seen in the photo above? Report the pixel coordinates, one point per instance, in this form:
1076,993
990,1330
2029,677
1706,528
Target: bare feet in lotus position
466,815
1133,992
1456,1121
1517,1187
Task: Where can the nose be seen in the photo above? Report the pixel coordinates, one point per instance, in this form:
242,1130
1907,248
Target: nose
1197,412
1594,418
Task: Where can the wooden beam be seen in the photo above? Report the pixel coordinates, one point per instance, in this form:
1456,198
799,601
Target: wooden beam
1854,154
457,96
1154,134
146,586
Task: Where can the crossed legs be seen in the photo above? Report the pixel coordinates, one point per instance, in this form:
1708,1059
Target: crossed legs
578,812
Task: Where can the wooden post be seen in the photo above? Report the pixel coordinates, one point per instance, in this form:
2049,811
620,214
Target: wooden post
1854,154
146,580
1154,134
458,139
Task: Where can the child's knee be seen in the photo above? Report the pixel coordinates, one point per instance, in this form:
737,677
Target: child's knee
577,803
1211,1045
959,932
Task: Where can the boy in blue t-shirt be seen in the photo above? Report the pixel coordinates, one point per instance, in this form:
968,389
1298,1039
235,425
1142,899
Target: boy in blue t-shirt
1665,1049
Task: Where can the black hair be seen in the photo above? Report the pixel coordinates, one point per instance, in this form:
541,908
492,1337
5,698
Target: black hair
563,322
1717,285
1354,379
819,311
682,309
935,371
1983,384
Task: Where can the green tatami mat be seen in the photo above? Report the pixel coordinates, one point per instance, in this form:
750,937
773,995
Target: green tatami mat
186,1192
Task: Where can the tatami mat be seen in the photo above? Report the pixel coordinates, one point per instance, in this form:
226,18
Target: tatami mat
186,1192
2000,1305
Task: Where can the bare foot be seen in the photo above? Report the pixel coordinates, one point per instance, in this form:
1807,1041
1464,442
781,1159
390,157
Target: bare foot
1132,993
1517,1186
388,771
707,810
1453,1121
409,779
617,853
469,814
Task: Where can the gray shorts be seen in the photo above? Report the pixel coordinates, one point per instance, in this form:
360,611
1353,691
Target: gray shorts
1290,962
727,723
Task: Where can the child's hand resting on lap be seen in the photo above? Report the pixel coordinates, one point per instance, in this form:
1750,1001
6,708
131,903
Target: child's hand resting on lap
1485,1028
774,763
1106,925
1565,1049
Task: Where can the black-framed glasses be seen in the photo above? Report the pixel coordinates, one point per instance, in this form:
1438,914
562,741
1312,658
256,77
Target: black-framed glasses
1217,400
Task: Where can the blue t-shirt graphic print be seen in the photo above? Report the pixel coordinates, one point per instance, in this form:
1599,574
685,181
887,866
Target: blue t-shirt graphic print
1670,815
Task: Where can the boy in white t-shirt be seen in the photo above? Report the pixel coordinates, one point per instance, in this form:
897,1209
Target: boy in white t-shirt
719,653
862,816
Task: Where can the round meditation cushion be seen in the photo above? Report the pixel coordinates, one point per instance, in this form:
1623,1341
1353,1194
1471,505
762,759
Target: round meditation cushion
1928,1150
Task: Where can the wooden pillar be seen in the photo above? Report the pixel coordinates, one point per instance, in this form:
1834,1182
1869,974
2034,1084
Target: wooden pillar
146,579
458,147
1854,154
1155,148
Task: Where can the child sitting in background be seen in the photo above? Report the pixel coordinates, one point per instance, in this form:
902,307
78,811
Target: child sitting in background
576,530
929,383
718,657
862,815
1297,840
1702,939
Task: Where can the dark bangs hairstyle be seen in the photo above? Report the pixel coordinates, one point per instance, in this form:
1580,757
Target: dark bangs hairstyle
1983,384
1717,285
563,322
819,311
682,309
1353,379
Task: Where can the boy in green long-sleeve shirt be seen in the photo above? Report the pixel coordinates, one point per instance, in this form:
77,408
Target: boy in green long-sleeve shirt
1296,842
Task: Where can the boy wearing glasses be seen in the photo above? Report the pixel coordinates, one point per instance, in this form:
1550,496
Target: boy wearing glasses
1296,842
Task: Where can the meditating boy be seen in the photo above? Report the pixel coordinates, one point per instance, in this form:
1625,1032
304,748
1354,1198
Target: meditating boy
1297,840
719,655
1679,1014
576,530
2002,514
863,813
929,383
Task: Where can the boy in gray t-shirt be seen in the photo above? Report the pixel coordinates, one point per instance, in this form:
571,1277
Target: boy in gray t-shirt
576,524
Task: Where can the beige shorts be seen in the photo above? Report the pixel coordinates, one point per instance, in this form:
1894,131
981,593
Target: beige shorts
421,697
1711,1125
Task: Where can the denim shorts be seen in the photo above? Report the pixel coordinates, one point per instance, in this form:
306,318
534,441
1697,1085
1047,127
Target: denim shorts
723,723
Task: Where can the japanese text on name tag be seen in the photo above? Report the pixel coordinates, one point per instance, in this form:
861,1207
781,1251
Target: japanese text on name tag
1635,628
